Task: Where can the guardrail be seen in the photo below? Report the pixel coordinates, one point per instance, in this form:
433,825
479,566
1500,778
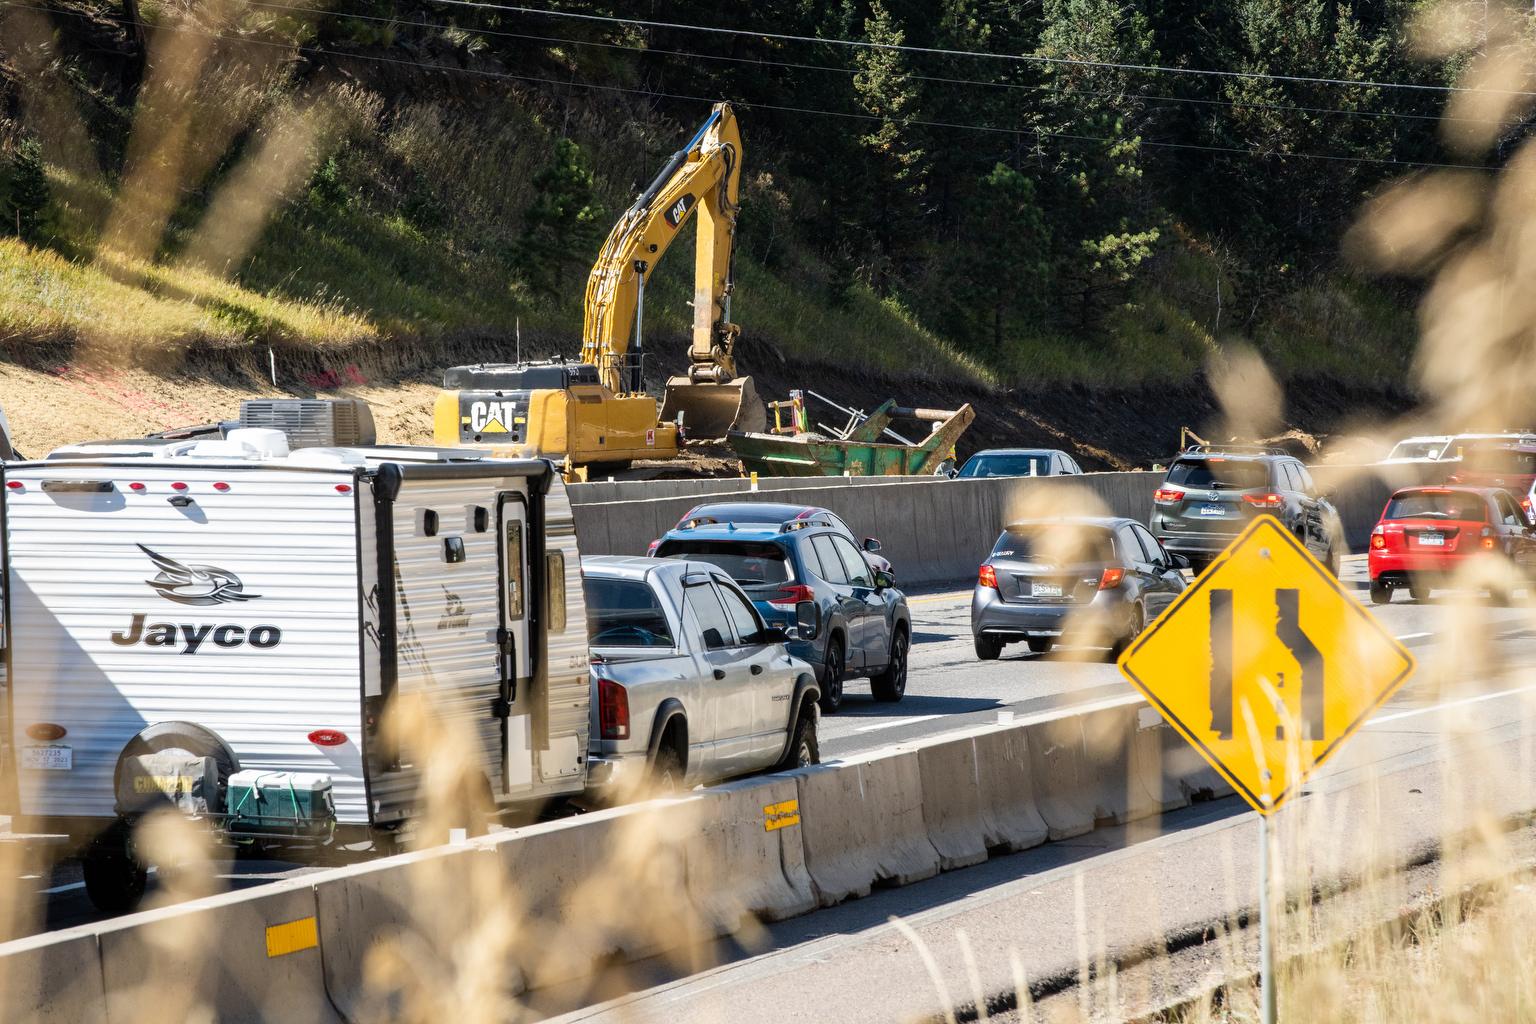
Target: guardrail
510,912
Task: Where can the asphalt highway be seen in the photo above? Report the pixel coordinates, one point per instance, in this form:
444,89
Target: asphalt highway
949,688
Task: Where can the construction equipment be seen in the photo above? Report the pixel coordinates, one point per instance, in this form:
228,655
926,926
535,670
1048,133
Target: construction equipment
596,410
858,449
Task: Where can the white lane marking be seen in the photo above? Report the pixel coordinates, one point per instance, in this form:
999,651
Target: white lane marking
63,888
1414,636
893,723
1449,704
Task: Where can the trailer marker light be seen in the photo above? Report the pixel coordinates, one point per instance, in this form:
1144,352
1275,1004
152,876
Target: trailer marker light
14,485
46,732
178,486
221,486
135,487
343,488
327,737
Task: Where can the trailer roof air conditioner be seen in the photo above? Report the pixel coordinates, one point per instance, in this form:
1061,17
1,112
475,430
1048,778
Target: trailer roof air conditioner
313,422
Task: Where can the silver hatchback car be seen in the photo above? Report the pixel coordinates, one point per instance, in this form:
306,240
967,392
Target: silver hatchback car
689,685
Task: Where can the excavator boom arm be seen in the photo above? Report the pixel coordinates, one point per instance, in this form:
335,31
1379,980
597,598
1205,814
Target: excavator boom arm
703,177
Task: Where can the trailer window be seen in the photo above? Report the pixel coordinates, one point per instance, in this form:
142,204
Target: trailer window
514,570
555,563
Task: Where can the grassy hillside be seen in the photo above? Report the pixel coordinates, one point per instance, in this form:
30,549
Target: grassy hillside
331,200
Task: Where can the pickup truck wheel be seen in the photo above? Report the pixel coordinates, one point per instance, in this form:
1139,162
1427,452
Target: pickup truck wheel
666,773
805,747
114,880
832,676
889,686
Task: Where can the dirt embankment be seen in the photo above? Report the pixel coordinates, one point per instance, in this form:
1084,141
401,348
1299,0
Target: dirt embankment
53,397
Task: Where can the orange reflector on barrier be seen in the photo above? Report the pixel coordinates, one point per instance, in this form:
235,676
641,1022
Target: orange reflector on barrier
781,815
292,937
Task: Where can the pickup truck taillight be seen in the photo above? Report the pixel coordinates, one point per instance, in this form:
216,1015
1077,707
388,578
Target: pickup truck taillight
790,595
612,710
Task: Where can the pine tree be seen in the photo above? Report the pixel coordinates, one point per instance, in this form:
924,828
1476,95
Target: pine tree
26,204
897,175
1007,268
1107,225
561,228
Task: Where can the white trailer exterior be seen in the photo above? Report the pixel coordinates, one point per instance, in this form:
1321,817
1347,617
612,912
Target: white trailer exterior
280,602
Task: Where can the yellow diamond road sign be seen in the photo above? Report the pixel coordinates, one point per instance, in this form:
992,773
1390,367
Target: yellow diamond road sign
1266,664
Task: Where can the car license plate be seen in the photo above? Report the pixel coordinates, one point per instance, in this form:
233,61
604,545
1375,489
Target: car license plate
56,758
1213,510
1431,540
1045,590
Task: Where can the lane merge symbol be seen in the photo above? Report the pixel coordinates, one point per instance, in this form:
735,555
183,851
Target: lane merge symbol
1266,665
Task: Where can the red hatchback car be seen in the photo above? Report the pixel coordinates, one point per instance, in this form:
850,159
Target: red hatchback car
1425,533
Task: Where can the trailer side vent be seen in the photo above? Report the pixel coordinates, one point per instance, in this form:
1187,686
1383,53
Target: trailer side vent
313,422
481,519
427,523
453,549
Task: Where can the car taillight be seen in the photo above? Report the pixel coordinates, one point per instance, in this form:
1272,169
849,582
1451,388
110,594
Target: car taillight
1378,538
327,737
1167,495
791,595
1111,578
987,576
1264,500
612,710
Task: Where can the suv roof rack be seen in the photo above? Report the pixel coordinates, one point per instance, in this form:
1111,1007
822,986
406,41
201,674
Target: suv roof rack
792,525
1234,449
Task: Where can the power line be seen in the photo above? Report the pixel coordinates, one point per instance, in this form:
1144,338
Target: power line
941,52
937,79
1040,134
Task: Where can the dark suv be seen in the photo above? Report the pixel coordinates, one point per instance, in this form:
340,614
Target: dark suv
864,627
1212,492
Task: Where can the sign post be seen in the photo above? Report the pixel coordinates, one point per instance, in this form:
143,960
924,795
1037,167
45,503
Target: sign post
1266,666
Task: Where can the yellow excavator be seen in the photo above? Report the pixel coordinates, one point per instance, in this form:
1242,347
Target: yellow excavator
595,411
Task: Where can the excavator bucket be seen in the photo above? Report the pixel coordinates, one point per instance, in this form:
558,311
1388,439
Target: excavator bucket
711,410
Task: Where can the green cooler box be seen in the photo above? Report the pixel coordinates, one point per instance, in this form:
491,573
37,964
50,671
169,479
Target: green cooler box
280,803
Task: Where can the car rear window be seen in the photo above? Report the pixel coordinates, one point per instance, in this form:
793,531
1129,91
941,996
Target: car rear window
1499,460
624,613
1056,544
1006,465
1417,450
749,563
1219,474
1458,505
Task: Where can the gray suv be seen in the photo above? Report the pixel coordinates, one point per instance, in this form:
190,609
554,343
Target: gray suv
1212,492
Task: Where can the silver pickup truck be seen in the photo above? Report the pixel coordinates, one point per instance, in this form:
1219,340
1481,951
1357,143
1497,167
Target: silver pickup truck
688,685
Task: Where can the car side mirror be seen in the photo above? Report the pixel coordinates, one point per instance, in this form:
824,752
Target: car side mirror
775,635
807,619
883,580
1180,561
871,544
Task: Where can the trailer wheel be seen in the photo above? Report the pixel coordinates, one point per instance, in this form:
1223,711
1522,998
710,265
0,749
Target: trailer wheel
194,739
114,878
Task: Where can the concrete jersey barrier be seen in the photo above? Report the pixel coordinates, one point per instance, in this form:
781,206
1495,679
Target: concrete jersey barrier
938,530
551,903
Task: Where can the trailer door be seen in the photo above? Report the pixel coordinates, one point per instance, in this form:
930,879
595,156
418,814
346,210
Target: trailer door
513,642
